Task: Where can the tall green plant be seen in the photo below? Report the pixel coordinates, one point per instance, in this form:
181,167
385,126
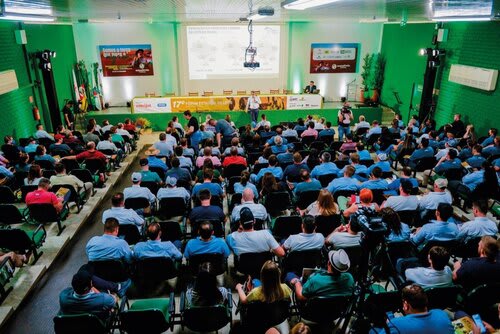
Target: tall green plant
378,75
366,70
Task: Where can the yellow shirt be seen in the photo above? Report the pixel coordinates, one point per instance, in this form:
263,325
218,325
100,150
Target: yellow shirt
257,295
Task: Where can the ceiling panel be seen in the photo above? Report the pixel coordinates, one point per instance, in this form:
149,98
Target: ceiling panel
231,10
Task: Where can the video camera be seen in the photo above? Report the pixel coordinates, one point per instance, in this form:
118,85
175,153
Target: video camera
373,228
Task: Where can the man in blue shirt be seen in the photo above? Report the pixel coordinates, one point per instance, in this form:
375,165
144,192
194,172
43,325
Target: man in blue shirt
418,319
206,211
292,172
82,297
146,174
423,151
279,146
153,161
449,161
172,191
154,247
362,152
214,188
382,163
327,131
108,246
406,173
307,184
360,171
247,201
326,166
121,214
41,133
307,240
165,148
224,132
480,226
375,130
347,182
375,181
273,169
136,191
206,243
492,133
477,159
279,133
493,149
181,174
441,229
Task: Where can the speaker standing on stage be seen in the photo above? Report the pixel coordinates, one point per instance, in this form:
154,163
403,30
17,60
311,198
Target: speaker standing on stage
253,105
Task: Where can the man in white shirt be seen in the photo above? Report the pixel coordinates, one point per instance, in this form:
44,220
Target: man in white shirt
263,124
437,275
345,236
41,133
253,105
62,178
121,131
173,191
404,201
247,201
480,226
106,126
362,124
307,240
431,200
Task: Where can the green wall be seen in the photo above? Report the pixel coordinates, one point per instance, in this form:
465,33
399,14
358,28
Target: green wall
404,65
473,44
15,111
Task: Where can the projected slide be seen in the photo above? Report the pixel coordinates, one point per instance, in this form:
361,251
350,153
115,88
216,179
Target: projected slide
218,52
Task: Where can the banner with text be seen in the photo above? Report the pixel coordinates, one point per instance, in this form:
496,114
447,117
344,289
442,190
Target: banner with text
334,57
126,60
151,104
305,101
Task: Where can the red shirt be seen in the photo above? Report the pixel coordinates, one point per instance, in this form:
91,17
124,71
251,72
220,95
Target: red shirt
129,127
234,160
41,196
91,155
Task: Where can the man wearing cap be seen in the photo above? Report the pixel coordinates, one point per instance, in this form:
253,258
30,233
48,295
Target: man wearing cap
176,171
404,201
146,174
153,161
206,211
172,191
122,215
326,283
136,191
382,163
165,148
206,242
247,201
154,247
108,246
82,297
431,200
248,240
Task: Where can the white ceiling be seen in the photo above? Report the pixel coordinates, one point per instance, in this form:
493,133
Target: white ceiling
231,10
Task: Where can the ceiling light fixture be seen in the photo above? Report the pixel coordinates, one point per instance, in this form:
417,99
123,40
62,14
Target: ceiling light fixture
27,18
461,18
305,4
29,11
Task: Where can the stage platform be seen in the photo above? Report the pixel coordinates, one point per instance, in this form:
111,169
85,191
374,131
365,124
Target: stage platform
159,120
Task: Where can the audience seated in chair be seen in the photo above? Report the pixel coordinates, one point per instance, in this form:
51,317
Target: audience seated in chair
307,240
438,274
172,190
206,211
205,291
136,191
345,236
405,201
480,226
108,246
247,201
43,196
62,178
121,214
154,247
147,175
214,188
440,229
206,242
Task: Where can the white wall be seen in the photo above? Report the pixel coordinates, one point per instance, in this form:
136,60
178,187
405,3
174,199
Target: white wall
217,86
119,90
303,34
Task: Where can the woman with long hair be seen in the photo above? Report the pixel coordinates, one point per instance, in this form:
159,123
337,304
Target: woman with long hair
324,206
269,185
206,291
245,183
268,290
34,175
399,231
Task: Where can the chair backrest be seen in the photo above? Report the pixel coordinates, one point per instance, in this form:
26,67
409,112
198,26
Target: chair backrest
325,309
110,270
230,184
327,139
45,164
73,194
152,186
43,213
307,140
366,163
235,200
355,254
296,261
233,170
341,163
15,240
251,263
130,233
378,304
20,176
345,193
170,231
284,226
7,196
10,214
47,173
482,300
425,163
217,260
79,324
454,174
326,224
95,165
25,189
257,167
400,249
407,216
276,202
307,197
262,316
159,171
83,174
326,179
443,297
468,249
172,207
450,245
136,203
154,269
206,318
140,321
378,196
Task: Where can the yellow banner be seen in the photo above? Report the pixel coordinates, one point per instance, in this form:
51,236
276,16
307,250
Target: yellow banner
225,103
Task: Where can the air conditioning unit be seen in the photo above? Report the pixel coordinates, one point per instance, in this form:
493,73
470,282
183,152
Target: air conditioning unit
8,81
476,77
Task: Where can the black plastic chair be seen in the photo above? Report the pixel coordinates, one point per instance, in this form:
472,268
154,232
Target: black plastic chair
443,297
172,207
46,213
11,215
137,203
159,171
25,189
170,231
152,186
206,318
366,163
424,164
467,250
284,226
296,261
21,241
326,224
7,196
400,250
110,270
305,198
407,216
259,316
326,179
251,263
308,140
85,175
355,256
79,324
454,174
153,270
218,261
129,233
277,202
70,165
319,145
233,170
450,246
325,310
345,193
377,304
19,177
235,200
45,164
483,300
258,167
95,166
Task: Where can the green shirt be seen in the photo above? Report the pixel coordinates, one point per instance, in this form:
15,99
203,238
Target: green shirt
324,284
199,175
149,176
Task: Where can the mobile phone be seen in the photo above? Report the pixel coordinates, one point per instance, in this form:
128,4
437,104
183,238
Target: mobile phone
357,200
479,323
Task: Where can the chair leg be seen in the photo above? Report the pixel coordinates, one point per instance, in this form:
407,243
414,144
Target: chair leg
36,255
60,227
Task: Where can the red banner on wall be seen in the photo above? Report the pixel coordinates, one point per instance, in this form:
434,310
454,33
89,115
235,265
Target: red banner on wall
126,60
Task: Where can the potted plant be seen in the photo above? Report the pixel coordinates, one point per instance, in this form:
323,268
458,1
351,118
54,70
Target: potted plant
365,75
378,76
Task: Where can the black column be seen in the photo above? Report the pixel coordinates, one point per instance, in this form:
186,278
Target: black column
45,65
